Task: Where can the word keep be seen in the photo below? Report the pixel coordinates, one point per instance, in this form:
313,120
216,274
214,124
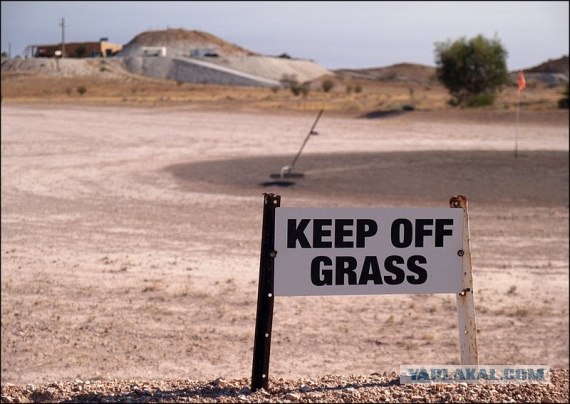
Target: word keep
353,233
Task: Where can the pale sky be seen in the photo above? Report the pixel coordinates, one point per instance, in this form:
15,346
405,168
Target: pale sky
335,34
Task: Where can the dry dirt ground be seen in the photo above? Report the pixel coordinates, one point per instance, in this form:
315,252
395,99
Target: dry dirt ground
131,239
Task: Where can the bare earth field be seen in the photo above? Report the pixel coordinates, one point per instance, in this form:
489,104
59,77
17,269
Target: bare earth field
131,239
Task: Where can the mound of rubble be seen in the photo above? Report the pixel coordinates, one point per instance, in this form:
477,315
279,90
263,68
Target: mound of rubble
199,57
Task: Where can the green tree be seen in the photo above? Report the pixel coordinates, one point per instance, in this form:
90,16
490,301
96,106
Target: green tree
471,68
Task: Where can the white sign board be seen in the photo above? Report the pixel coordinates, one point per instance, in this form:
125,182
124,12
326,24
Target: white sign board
363,251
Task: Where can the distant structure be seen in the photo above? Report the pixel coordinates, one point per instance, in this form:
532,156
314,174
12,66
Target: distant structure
103,48
153,51
204,53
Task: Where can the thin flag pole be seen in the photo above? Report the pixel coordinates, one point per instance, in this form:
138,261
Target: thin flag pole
311,132
521,86
287,171
518,123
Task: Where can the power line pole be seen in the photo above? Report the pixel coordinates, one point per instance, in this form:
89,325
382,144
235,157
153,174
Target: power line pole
62,24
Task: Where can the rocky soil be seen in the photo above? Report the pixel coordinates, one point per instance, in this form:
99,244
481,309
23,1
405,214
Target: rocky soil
374,388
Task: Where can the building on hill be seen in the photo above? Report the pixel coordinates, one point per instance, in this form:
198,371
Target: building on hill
103,48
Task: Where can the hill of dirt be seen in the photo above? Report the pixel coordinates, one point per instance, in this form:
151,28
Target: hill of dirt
560,65
108,68
402,72
200,57
553,72
181,42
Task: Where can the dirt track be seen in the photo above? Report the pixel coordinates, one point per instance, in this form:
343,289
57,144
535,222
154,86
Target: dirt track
130,251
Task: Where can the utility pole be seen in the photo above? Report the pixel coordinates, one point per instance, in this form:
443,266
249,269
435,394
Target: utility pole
62,24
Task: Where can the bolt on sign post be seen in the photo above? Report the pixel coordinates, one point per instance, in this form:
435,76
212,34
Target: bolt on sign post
363,251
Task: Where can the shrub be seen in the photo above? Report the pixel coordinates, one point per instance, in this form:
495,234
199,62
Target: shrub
480,100
81,90
293,84
295,89
298,89
358,88
289,81
563,102
327,85
305,88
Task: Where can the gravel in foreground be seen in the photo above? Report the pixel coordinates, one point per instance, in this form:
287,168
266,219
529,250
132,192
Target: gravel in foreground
356,389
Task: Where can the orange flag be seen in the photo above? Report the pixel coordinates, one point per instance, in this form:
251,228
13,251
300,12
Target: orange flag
522,81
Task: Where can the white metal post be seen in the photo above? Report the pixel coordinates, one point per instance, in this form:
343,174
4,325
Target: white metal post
465,301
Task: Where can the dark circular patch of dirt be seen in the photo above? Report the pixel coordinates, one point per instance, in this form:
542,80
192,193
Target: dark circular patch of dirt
533,178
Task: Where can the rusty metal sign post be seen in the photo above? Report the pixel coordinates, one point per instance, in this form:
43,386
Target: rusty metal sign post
266,294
